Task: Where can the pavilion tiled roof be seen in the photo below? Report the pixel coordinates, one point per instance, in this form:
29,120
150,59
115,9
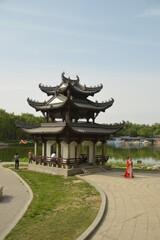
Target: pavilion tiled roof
54,102
95,128
60,100
69,103
74,86
96,106
79,128
43,128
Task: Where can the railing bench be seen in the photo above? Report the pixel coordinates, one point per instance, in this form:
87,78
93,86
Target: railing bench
101,160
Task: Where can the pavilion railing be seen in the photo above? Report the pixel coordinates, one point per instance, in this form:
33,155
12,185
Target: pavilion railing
101,159
67,162
57,162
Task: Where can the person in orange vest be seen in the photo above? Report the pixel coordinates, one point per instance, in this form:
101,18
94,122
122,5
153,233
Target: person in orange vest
30,156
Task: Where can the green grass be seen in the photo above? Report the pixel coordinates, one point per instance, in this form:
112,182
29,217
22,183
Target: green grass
123,164
62,208
23,160
118,165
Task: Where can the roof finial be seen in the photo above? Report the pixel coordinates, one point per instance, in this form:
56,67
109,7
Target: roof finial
77,78
63,76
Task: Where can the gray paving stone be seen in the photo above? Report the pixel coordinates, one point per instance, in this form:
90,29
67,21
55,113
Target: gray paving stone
14,202
133,206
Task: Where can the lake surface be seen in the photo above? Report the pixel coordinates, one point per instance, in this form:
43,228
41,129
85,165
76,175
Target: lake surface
7,152
148,154
117,151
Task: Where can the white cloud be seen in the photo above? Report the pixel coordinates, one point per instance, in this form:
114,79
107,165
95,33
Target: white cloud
6,36
108,38
153,12
21,11
12,88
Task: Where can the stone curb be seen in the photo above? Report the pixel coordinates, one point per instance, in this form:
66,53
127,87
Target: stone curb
15,221
92,228
88,232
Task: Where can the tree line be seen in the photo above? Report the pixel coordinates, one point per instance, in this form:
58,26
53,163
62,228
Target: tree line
140,130
9,131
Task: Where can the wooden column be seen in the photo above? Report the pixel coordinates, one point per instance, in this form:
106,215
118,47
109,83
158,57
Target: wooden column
68,150
58,150
94,152
43,148
87,154
103,150
78,150
36,147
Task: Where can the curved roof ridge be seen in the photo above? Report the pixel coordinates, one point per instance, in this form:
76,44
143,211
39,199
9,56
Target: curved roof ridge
115,125
91,88
47,89
74,84
26,125
51,128
92,102
67,80
86,103
32,102
83,89
93,128
103,103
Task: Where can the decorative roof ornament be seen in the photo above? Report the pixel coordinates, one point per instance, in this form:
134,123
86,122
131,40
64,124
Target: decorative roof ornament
77,78
73,90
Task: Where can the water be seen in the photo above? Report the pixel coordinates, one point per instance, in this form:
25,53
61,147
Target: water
117,151
7,153
148,154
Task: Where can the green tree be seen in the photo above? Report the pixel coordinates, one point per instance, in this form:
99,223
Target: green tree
8,129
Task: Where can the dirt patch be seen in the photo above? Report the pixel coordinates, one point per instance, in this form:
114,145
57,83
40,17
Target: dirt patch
77,181
92,198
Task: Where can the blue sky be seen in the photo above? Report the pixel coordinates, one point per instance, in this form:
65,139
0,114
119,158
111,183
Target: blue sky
116,43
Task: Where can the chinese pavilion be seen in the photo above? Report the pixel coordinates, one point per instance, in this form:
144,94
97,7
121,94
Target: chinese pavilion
70,121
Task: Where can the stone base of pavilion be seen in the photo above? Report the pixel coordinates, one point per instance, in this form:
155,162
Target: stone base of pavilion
55,170
81,169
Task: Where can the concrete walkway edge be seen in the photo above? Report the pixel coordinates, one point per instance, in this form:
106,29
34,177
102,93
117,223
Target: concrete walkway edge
92,228
15,221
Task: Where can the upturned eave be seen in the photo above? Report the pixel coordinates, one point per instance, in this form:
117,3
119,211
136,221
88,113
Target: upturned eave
90,105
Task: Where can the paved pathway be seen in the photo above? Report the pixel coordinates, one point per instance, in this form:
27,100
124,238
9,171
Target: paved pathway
133,206
15,200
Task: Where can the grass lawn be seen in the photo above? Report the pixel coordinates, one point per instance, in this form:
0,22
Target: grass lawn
62,208
121,166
